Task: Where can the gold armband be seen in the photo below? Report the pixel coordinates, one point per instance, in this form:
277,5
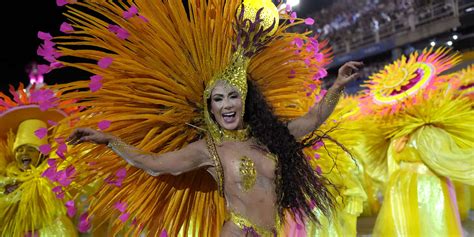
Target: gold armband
332,97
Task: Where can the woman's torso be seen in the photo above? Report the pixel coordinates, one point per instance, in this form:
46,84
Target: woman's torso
249,186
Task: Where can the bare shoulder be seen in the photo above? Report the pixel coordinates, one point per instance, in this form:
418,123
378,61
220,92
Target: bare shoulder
199,149
199,145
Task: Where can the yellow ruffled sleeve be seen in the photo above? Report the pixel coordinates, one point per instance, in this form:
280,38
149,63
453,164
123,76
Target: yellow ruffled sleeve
439,152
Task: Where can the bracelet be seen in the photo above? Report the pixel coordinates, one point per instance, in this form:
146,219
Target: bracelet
333,97
117,146
112,143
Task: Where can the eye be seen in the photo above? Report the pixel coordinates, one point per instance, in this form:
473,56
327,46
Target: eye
217,99
234,95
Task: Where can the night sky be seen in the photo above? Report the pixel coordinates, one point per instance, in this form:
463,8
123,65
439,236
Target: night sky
20,41
19,36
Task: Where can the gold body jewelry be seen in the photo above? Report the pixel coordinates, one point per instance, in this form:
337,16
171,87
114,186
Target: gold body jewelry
245,225
333,97
248,173
236,135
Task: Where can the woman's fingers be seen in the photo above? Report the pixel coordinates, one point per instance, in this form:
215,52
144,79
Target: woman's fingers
78,135
348,69
72,139
73,136
353,76
354,67
75,141
87,138
356,63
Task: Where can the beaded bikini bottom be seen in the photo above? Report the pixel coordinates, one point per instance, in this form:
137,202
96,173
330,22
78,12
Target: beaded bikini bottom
248,227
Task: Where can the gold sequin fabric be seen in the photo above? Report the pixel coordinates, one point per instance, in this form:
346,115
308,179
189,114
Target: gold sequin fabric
248,173
249,228
236,135
333,97
211,146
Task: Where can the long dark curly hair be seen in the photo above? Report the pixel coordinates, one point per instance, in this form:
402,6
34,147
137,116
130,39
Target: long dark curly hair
298,186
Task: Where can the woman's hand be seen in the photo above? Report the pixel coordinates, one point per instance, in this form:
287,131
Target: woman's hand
347,73
80,135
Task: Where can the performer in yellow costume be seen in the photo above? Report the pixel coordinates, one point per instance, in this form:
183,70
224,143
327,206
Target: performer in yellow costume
463,83
28,205
428,144
181,84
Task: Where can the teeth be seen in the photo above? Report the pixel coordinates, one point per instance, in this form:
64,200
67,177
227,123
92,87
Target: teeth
229,114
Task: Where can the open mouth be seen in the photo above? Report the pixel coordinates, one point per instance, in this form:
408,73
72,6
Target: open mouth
229,117
26,161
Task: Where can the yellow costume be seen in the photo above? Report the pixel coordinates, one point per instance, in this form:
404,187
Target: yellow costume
28,204
156,62
462,82
426,133
342,168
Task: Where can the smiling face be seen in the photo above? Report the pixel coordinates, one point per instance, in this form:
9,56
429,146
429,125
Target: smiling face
27,155
226,106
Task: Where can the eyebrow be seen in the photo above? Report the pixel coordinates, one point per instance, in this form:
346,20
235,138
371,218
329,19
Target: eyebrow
230,93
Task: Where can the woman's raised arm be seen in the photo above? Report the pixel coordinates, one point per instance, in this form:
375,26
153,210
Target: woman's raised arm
321,111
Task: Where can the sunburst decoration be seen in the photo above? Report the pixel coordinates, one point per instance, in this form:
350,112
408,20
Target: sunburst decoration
465,81
399,82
